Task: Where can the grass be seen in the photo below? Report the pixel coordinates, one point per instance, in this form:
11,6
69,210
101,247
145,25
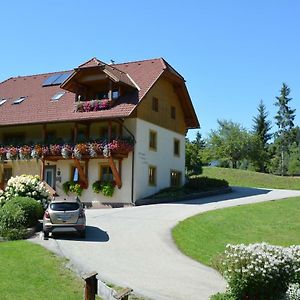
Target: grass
28,271
252,179
204,236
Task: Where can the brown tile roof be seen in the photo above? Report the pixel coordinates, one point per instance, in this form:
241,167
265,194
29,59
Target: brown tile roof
38,107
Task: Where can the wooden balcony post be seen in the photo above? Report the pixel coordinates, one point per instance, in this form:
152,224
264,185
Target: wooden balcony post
81,172
91,286
42,170
115,172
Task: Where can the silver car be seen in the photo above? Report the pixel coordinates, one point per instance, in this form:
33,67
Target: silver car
64,215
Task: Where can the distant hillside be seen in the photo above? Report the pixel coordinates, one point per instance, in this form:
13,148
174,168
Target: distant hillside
252,179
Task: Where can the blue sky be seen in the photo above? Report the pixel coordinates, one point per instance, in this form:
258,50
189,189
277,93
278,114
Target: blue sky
232,53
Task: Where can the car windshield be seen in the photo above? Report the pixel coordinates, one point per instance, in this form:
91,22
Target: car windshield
64,206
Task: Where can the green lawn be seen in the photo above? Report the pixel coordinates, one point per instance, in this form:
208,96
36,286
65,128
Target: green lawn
252,179
203,236
28,271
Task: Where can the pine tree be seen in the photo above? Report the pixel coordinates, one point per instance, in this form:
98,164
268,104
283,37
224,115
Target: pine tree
285,122
262,126
261,130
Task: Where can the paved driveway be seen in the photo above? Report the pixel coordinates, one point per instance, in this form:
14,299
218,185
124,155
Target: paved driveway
133,246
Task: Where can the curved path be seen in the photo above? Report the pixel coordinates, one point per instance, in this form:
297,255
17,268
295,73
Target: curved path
133,246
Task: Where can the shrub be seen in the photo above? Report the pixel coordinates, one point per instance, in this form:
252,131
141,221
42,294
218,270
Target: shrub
33,210
25,186
260,271
199,183
12,222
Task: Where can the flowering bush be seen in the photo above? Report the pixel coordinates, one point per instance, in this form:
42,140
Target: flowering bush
25,186
260,271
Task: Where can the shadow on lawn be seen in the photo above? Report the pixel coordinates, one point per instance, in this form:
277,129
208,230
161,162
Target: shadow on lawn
93,234
237,192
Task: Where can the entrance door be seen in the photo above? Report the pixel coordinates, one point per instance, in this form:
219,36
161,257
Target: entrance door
49,175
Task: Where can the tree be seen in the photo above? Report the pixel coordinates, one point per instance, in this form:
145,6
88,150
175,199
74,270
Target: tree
261,129
294,160
193,150
285,122
230,142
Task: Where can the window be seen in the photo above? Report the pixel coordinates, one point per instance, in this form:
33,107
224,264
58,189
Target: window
75,175
2,101
152,175
175,178
155,104
153,140
115,94
104,132
173,112
176,147
57,96
106,173
19,100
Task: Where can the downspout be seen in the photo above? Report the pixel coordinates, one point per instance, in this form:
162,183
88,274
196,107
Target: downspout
132,162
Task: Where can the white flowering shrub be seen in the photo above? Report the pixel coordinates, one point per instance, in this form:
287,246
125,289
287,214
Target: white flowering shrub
293,292
260,271
25,186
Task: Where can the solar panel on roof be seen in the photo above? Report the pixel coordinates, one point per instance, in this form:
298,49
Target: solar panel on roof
56,79
51,79
62,78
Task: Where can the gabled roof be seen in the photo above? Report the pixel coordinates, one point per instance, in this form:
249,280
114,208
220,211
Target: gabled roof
38,108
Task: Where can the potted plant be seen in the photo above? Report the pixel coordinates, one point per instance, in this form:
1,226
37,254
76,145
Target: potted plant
66,151
37,151
12,153
73,187
107,188
95,149
25,152
55,149
2,153
80,149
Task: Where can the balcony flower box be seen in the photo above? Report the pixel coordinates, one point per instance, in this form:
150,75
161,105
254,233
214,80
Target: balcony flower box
93,105
80,150
95,149
55,149
120,147
25,152
37,151
2,153
66,151
12,153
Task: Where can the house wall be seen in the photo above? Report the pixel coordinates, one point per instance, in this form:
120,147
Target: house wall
164,158
163,90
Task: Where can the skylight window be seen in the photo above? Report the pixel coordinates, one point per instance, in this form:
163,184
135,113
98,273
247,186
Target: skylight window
19,100
57,96
2,101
